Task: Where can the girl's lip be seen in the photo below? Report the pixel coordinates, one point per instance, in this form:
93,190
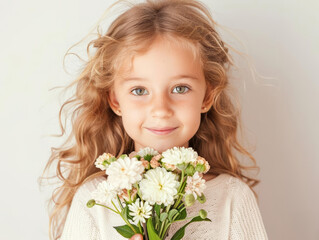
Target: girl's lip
161,131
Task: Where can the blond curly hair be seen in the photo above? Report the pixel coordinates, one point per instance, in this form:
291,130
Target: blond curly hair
97,129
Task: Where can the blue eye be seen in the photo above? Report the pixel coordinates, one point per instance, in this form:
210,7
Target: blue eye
138,91
181,89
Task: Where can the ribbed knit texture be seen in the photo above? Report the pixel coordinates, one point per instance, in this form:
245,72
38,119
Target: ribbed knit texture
231,205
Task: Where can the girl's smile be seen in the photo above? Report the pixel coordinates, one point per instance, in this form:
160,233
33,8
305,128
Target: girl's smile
161,131
161,96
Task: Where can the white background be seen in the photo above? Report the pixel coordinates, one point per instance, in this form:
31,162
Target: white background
280,113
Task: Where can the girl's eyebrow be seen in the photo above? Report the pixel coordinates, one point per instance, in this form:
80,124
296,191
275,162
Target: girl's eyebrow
177,77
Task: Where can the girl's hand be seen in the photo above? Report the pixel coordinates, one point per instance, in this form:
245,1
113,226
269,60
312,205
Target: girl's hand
137,237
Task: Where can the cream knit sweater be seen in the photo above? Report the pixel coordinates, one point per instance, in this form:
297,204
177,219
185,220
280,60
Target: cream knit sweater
231,205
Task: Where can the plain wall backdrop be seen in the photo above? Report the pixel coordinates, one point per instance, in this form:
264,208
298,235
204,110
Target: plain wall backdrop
280,113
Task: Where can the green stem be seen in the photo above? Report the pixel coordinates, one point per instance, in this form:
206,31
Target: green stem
166,226
161,233
184,219
119,201
140,227
107,207
115,206
182,208
167,208
180,196
182,180
127,222
178,201
129,195
163,223
178,214
162,226
138,191
165,229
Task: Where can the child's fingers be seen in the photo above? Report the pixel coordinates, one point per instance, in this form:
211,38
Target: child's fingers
137,237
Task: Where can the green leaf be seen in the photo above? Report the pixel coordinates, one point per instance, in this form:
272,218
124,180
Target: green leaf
152,235
125,212
157,220
157,209
171,214
163,216
125,231
181,232
182,214
148,157
137,230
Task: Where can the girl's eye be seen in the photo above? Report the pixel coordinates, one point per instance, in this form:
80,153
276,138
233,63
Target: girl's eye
139,91
181,89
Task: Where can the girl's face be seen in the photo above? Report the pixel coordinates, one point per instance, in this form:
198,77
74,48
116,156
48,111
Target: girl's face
161,97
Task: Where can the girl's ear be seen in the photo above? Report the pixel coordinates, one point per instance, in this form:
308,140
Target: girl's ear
208,99
113,102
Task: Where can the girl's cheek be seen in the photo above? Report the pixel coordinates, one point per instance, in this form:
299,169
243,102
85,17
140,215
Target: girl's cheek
135,104
132,108
137,101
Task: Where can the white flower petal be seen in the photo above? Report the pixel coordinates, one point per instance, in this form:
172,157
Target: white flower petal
147,151
124,172
105,193
159,186
178,155
195,185
140,211
99,162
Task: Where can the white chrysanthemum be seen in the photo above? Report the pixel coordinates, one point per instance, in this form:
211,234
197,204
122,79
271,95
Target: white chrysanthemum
195,185
147,151
179,155
140,211
102,161
104,193
159,186
124,172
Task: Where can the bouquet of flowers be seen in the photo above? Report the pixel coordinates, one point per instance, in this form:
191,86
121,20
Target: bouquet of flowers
151,191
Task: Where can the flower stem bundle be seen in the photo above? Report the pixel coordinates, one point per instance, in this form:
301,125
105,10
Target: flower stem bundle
151,191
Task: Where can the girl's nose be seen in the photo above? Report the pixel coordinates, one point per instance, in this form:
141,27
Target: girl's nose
161,106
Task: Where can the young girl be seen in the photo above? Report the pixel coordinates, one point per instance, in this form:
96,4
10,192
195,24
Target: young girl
159,79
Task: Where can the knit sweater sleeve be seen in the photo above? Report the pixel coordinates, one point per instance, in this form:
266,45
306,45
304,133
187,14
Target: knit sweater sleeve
94,223
246,221
80,224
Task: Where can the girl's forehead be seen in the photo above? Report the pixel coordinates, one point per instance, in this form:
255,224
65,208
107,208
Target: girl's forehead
129,55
